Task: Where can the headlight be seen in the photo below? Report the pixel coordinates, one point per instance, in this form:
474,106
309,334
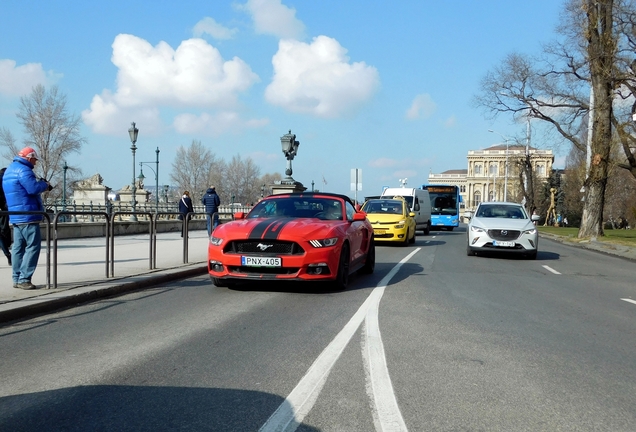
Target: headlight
531,231
324,242
400,224
477,229
215,241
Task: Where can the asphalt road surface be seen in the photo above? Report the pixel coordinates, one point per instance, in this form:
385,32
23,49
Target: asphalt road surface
433,341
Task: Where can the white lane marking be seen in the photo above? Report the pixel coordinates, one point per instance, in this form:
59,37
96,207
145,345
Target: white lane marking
548,268
629,300
291,413
386,410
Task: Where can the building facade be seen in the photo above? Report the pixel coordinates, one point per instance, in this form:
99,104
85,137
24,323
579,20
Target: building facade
493,174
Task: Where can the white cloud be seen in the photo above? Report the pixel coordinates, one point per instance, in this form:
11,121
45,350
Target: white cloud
383,163
422,107
20,80
209,26
450,122
317,79
214,124
272,17
149,78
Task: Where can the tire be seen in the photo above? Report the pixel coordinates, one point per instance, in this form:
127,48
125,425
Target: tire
412,241
222,283
469,251
406,239
369,264
427,230
342,278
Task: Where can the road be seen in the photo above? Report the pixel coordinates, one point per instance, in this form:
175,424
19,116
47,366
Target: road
433,341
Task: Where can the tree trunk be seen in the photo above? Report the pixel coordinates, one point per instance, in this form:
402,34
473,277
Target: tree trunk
601,50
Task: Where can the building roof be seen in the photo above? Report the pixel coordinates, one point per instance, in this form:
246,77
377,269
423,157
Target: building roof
456,171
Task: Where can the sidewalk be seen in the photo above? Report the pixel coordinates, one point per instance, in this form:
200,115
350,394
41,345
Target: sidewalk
628,252
81,271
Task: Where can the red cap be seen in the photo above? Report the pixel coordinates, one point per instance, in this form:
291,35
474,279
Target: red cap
28,153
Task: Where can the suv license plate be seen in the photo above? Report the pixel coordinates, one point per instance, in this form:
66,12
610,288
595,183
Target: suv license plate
503,243
261,261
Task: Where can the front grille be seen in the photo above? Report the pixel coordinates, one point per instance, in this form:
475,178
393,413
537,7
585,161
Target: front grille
264,247
383,236
503,234
263,270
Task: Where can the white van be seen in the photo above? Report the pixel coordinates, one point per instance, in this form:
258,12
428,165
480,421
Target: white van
419,202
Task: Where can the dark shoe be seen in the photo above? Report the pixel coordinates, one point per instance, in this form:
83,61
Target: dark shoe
25,286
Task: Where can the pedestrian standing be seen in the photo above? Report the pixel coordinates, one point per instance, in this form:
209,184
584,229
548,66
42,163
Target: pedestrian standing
211,201
22,191
5,229
185,207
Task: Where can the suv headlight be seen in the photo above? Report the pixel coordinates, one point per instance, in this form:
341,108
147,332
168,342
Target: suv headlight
477,229
530,231
324,242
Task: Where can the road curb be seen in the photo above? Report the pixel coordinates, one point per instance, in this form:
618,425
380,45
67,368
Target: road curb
30,307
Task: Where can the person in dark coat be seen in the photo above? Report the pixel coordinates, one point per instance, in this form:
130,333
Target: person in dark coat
211,201
185,207
5,229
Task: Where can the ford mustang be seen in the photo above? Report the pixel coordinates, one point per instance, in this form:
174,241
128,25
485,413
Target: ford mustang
391,219
502,227
298,236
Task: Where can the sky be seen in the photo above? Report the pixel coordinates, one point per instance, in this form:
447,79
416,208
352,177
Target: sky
384,87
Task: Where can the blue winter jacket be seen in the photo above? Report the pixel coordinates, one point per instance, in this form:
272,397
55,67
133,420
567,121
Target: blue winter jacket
22,190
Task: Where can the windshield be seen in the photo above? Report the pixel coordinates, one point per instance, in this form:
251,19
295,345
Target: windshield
443,203
301,207
383,207
501,211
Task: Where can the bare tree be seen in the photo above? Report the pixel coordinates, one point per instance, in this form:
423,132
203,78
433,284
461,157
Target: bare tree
51,130
266,182
557,90
242,181
191,169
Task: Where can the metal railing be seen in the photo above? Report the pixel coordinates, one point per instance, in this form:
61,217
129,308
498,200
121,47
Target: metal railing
109,233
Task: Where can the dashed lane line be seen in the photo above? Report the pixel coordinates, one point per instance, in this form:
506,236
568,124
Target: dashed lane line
629,300
550,269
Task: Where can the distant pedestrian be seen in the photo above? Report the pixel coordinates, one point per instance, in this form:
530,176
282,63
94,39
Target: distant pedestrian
5,229
185,207
211,201
565,221
22,191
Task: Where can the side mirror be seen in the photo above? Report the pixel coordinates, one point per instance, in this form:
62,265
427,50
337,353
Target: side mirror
535,217
416,207
412,214
239,215
359,216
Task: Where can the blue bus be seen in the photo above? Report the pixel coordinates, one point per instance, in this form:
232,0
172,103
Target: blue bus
445,205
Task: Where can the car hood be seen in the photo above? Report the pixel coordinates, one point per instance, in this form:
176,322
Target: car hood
502,223
384,218
276,228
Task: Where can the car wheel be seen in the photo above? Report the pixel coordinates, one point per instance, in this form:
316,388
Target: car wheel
369,264
406,239
427,230
469,251
412,240
222,283
342,279
450,228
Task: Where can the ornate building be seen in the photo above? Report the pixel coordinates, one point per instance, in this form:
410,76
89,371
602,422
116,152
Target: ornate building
487,178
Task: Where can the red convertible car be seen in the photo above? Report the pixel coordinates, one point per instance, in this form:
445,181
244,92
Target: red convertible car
299,236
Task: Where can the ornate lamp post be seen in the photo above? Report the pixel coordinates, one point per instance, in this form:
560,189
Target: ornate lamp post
166,188
263,191
133,132
290,149
65,168
156,162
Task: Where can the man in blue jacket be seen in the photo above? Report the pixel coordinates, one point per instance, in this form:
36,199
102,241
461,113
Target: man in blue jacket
22,191
211,201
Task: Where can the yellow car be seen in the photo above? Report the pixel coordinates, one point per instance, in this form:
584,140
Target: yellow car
391,219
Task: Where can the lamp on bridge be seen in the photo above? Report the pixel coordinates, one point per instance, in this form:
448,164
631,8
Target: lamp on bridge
290,149
133,132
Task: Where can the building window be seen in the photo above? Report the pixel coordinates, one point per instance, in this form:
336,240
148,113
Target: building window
541,170
493,169
462,188
477,169
477,198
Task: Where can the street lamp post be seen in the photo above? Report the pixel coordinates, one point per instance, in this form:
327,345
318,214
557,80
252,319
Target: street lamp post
290,149
133,132
263,191
156,162
506,140
65,168
166,188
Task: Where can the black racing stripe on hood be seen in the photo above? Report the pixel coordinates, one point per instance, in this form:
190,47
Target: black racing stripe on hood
273,230
268,228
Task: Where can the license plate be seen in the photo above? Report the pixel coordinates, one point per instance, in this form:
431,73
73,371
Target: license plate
261,261
503,243
379,231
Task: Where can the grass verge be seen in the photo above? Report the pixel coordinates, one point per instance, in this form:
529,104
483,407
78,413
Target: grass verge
624,237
